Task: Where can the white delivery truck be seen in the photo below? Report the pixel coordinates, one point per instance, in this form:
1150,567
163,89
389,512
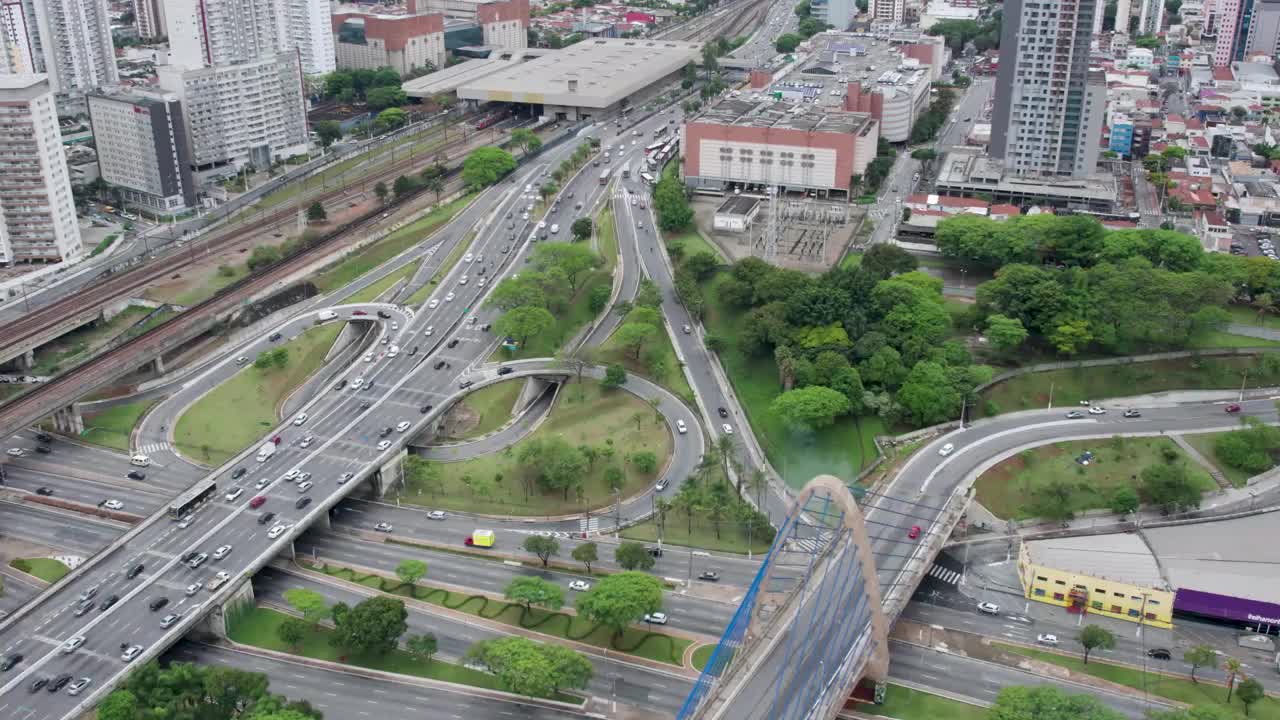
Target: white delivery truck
266,451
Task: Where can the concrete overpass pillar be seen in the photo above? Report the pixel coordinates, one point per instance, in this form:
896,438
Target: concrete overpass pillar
157,365
242,600
68,420
533,389
26,360
389,476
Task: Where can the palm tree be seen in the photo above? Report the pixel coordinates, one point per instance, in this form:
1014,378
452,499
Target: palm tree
1232,666
724,445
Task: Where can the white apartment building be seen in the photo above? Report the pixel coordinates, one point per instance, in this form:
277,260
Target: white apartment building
838,13
307,28
37,212
74,37
505,24
18,53
142,149
243,114
151,17
401,42
888,11
221,32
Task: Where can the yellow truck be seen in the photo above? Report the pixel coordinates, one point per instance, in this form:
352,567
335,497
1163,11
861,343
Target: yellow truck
480,538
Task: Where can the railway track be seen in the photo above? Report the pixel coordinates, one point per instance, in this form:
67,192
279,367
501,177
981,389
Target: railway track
119,285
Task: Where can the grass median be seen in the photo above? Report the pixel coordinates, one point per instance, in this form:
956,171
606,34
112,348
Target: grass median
907,704
1204,442
633,641
657,362
1175,689
491,406
47,569
238,412
371,293
114,426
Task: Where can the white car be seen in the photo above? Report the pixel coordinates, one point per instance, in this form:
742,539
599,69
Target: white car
234,494
468,258
262,483
277,531
657,618
436,515
383,527
221,552
357,383
946,450
435,303
368,357
484,281
242,360
302,418
305,486
169,620
463,281
681,427
384,444
113,505
395,326
72,644
448,298
132,652
1047,639
989,608
292,474
728,429
194,588
580,585
402,426
346,476
306,441
430,329
1097,410
17,452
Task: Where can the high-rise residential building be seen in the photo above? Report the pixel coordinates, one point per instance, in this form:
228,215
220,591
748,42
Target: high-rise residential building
74,37
307,28
1150,17
150,15
1049,106
19,54
1264,29
504,23
1124,11
247,113
142,149
401,42
221,32
888,11
1235,23
37,212
837,13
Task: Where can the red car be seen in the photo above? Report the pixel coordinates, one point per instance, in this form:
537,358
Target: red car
1233,408
257,501
914,533
276,440
359,312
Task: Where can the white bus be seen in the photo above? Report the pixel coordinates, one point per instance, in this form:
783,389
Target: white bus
626,171
648,178
653,146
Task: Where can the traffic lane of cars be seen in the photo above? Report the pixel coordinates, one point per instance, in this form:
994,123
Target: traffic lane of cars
137,497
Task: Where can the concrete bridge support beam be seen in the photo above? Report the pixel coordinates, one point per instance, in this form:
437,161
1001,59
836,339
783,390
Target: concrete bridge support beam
215,623
26,360
157,366
533,389
390,476
68,420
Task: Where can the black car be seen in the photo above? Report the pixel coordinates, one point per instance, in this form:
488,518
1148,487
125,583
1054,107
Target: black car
135,571
464,385
302,502
481,273
1159,654
425,409
44,491
266,517
384,314
341,384
452,343
59,682
485,327
710,576
37,684
135,475
414,350
504,371
274,337
108,602
190,556
10,661
439,364
366,405
654,550
43,449
158,603
44,437
385,432
239,473
723,413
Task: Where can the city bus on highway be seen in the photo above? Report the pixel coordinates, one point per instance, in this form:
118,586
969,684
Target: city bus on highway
192,498
653,146
604,176
648,178
626,171
662,130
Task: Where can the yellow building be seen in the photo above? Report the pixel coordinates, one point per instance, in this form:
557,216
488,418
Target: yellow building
1112,575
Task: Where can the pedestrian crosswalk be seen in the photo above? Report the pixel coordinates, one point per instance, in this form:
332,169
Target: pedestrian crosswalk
951,577
589,525
153,448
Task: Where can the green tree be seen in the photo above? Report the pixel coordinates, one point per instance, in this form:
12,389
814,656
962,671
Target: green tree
522,323
328,132
633,556
884,261
403,186
263,256
1250,692
1124,500
528,668
927,396
389,120
1094,637
310,603
119,705
809,408
581,228
674,213
634,335
292,632
1200,656
542,546
528,141
1233,668
423,646
434,185
410,571
385,97
1170,487
316,213
598,298
645,462
614,376
485,166
586,553
1005,333
620,599
787,42
381,191
573,260
372,627
530,591
1047,703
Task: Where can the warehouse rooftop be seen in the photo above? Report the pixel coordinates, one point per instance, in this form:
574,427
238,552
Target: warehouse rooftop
786,116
